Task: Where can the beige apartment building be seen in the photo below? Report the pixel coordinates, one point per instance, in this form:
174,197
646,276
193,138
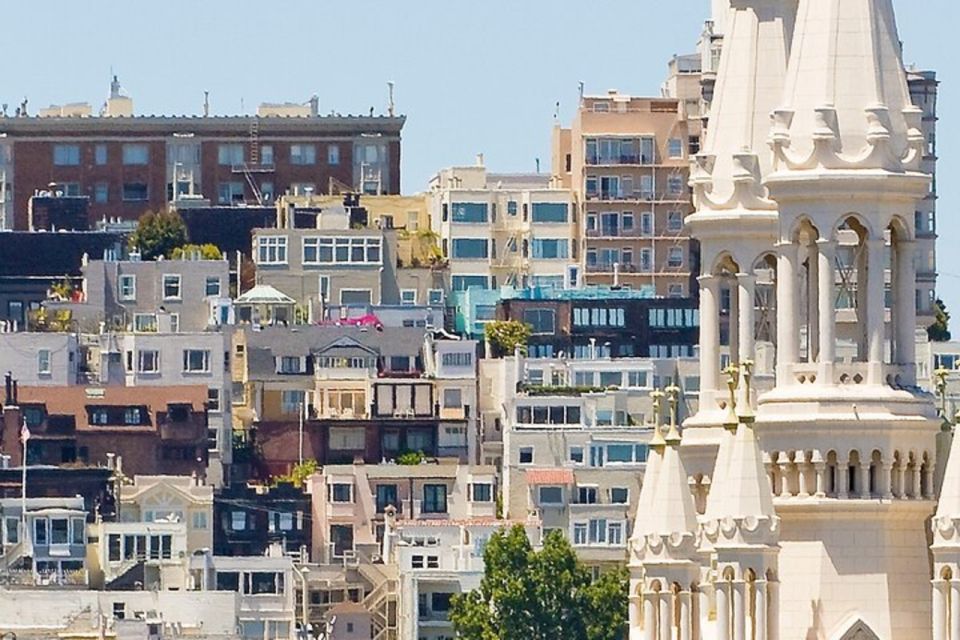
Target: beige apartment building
626,160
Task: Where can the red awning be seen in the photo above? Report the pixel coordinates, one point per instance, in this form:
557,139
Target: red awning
549,476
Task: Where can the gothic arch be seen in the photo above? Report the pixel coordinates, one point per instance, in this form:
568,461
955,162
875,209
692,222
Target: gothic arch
803,230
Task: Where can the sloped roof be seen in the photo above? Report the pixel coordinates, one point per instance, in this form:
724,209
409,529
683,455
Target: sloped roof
265,294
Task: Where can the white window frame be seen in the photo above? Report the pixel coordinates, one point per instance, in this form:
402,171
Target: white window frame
214,400
323,289
563,495
141,361
412,294
370,291
270,244
209,280
520,452
172,277
143,328
44,362
132,293
186,361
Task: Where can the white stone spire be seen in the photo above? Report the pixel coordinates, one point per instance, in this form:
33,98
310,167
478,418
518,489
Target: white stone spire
742,529
735,221
749,86
847,105
665,559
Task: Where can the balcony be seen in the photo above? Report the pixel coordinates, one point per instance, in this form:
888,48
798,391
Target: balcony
619,160
253,168
617,234
607,267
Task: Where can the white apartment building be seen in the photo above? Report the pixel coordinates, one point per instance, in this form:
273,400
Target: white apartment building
504,229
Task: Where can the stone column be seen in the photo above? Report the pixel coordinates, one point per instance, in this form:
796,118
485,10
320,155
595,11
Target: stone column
917,482
843,479
723,610
954,609
686,616
905,304
760,613
900,481
665,619
649,616
939,610
926,488
821,471
788,312
773,608
886,481
827,310
734,321
813,302
709,333
865,480
747,285
876,313
803,476
784,461
739,611
635,617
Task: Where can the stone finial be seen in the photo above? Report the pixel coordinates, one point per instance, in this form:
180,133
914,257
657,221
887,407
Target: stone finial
673,396
657,442
744,407
733,379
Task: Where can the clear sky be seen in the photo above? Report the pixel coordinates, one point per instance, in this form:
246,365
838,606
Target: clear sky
472,76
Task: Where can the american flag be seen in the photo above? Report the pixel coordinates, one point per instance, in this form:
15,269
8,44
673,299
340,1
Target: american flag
24,432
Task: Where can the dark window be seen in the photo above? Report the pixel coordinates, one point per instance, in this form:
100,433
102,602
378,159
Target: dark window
228,581
386,495
434,498
135,192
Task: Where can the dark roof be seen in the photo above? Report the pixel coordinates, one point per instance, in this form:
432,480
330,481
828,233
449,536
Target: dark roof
230,228
51,254
272,342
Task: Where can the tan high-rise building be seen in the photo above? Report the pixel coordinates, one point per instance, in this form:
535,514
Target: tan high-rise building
626,159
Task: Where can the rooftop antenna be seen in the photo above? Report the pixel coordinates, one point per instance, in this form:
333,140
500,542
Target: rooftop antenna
581,92
391,106
538,165
206,104
556,111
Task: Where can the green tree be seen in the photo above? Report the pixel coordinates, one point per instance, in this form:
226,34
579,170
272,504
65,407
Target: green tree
506,335
158,234
540,595
939,331
207,252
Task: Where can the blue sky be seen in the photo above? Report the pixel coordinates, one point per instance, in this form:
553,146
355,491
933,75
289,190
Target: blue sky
472,77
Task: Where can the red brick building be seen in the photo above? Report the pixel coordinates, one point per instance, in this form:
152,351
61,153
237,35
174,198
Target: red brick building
154,430
126,165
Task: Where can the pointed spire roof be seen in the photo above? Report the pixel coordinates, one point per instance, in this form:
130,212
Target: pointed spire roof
673,509
846,101
948,505
648,488
750,83
744,490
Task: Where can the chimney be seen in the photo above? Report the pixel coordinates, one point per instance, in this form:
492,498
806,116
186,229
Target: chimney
206,104
314,105
479,159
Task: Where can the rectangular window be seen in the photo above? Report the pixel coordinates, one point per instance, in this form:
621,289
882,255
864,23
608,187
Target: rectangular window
598,531
303,154
333,155
341,492
291,364
136,154
40,531
230,155
526,455
469,212
43,362
550,495
619,495
543,321
579,533
551,249
100,154
230,193
434,498
408,297
272,250
615,533
462,283
468,249
550,212
386,496
266,155
171,287
135,192
675,185
238,520
452,398
101,192
212,286
148,361
145,322
66,155
675,257
675,221
586,495
349,250
292,401
213,400
196,361
481,492
675,147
